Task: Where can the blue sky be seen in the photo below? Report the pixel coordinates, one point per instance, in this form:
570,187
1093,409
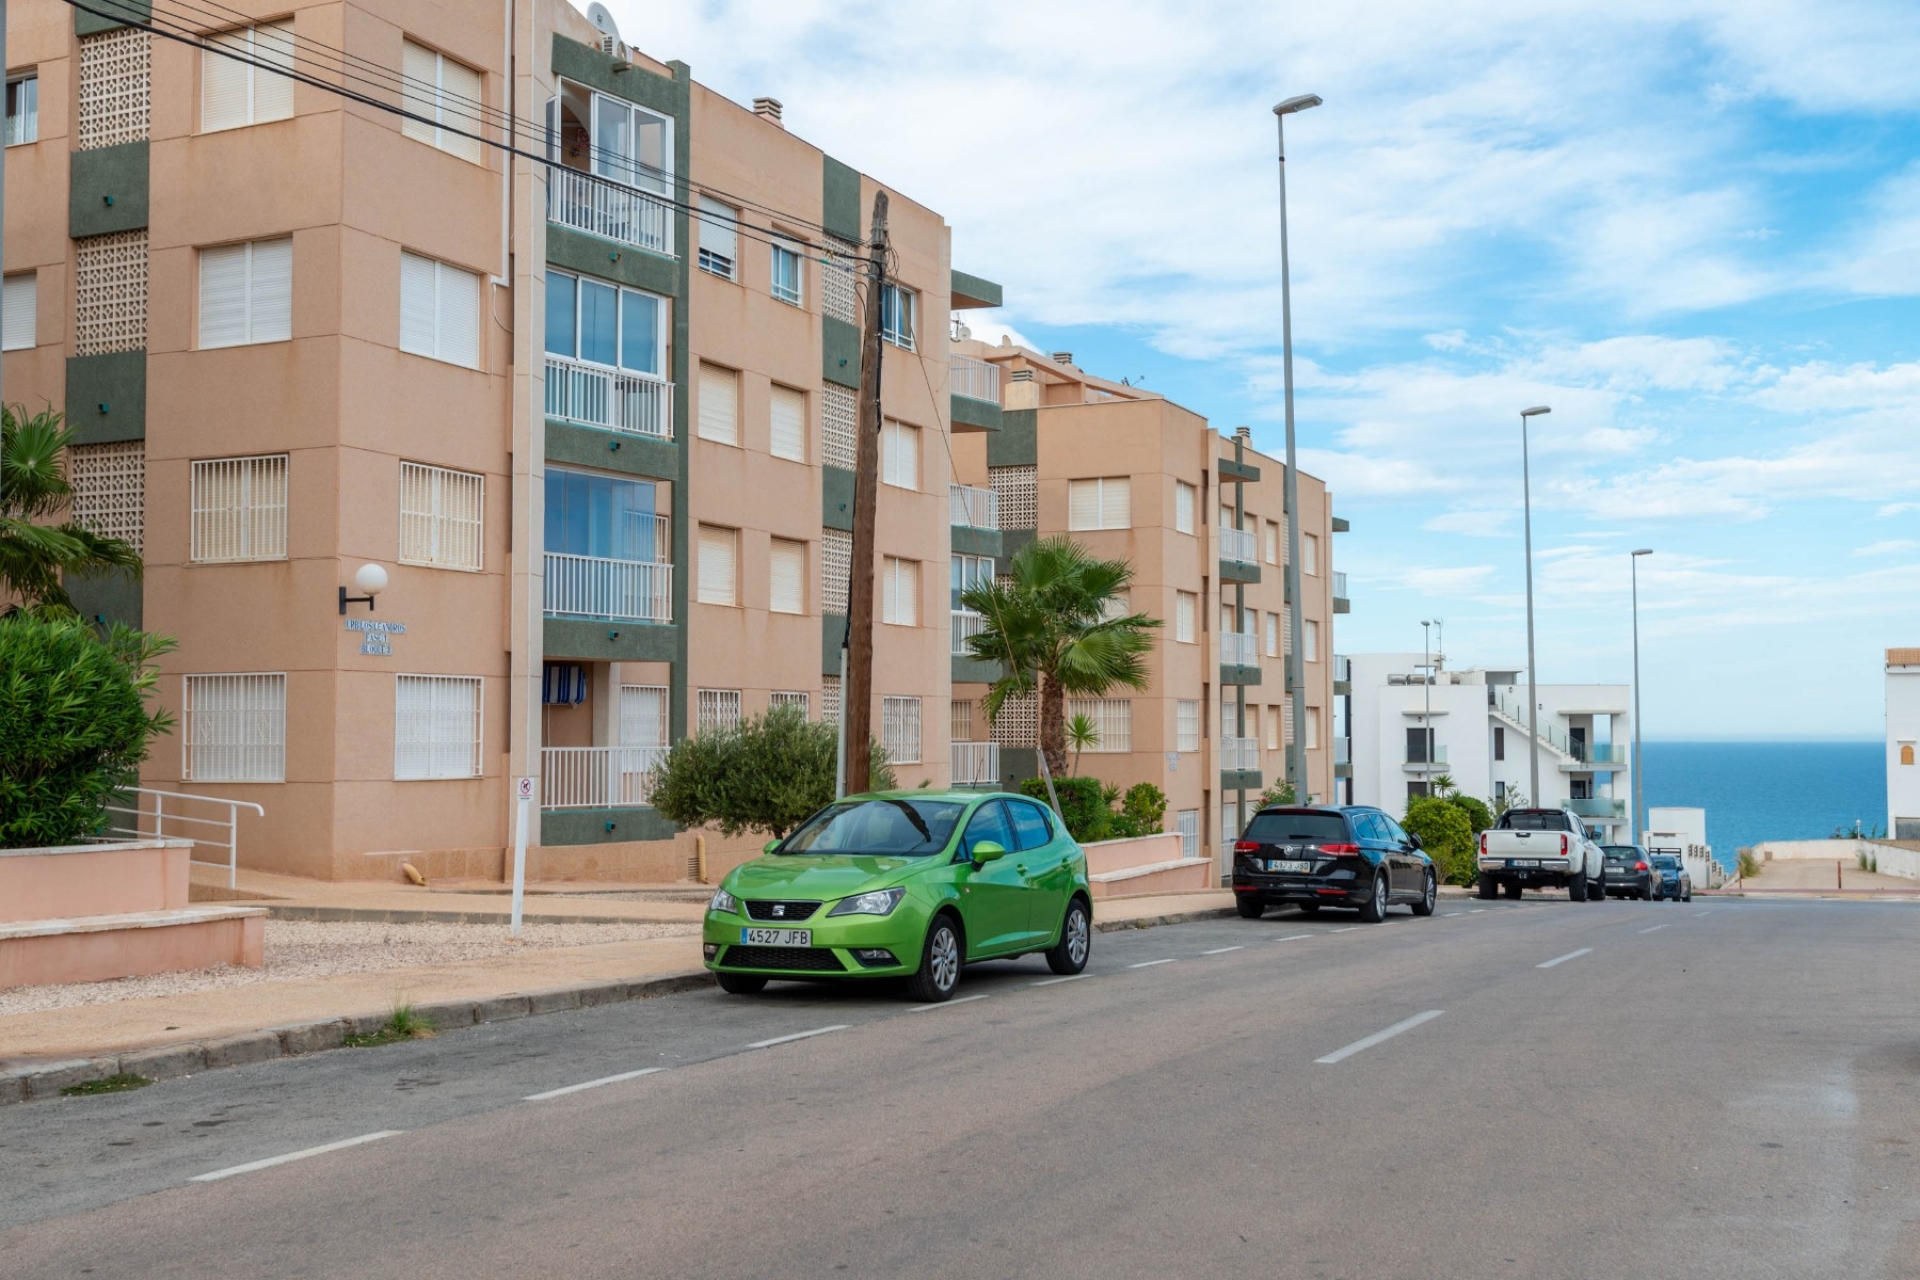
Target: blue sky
1690,226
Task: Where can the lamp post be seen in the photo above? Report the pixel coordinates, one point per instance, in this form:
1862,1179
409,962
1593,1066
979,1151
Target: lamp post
1426,681
1296,660
1633,826
1533,676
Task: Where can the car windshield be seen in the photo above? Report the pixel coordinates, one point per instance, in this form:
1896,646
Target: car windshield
1300,828
899,828
1533,820
1616,852
1667,864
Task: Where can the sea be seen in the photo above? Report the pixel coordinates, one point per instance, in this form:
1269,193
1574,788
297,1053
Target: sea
1754,791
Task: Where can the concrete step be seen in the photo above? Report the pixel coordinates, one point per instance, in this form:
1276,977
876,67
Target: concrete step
1180,875
129,944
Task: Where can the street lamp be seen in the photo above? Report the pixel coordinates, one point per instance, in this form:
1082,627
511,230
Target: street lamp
1533,694
1426,642
1296,660
1633,827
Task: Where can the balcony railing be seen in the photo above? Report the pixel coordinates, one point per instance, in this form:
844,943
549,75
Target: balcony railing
1239,649
601,587
604,208
1599,807
1343,750
975,379
1236,544
612,399
1239,753
1342,667
598,777
1435,754
966,625
1340,586
971,507
976,764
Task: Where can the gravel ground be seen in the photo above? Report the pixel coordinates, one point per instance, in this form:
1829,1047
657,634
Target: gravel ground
312,949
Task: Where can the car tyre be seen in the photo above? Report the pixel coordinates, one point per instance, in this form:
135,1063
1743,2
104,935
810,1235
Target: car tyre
1597,892
1577,889
1512,890
939,971
1429,896
1069,955
1309,908
1486,887
1374,910
1249,907
741,984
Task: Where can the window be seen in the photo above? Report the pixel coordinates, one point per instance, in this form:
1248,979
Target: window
1309,554
1419,746
896,315
1310,641
719,560
439,311
1273,635
1187,823
1186,725
1273,728
1415,790
599,323
1099,504
900,729
964,572
786,272
1186,500
1186,617
787,424
239,509
446,92
1112,720
643,715
900,592
1286,629
960,721
900,455
235,729
632,145
609,517
1032,825
716,709
1272,547
441,516
719,237
23,110
1499,742
246,293
1313,728
20,303
242,90
787,570
436,727
719,405
789,698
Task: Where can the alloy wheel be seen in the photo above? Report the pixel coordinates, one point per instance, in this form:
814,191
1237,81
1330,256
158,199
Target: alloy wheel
946,958
1077,936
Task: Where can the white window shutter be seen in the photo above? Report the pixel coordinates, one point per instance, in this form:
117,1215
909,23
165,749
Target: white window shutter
417,305
1083,504
1185,608
21,309
225,83
717,568
643,715
272,92
270,301
909,457
419,95
223,296
788,424
1116,503
460,92
458,312
1183,496
719,405
787,567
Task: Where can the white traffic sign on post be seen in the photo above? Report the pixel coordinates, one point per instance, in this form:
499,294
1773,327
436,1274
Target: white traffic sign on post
522,801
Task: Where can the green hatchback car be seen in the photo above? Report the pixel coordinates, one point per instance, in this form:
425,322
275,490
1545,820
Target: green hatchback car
904,884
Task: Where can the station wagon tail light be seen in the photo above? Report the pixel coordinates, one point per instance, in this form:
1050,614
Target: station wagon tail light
1337,849
1639,866
1246,846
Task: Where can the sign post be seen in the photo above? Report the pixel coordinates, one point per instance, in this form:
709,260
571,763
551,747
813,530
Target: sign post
522,801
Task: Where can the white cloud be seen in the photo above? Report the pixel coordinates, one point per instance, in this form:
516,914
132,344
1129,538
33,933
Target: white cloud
1897,509
1892,546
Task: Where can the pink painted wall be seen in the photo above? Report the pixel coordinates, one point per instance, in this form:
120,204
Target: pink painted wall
92,880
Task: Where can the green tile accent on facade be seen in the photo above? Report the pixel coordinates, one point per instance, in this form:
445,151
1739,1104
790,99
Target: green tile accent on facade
833,629
836,498
1239,675
976,415
1017,443
589,66
570,443
974,671
610,260
112,597
107,190
973,291
1231,470
977,542
1342,605
591,826
1343,771
1018,764
1241,780
107,397
1239,571
1341,688
597,641
92,24
1011,540
840,200
1340,524
840,352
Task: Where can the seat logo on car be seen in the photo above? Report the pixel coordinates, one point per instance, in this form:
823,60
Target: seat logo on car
779,908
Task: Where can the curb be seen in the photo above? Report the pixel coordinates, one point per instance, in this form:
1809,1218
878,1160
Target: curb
382,915
1175,917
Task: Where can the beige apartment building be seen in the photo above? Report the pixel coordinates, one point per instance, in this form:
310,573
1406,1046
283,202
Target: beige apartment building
1201,516
593,422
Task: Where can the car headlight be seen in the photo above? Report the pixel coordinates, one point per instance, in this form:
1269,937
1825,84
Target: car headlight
878,903
722,901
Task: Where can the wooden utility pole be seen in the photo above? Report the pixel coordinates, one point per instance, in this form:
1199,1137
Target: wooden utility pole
856,698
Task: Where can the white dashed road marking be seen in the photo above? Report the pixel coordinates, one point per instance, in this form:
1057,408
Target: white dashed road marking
1293,937
1220,951
1072,977
1406,1024
1148,964
291,1156
924,1008
1650,930
798,1035
592,1084
1571,955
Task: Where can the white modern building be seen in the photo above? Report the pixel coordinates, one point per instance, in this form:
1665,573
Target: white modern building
1682,833
1408,727
1903,737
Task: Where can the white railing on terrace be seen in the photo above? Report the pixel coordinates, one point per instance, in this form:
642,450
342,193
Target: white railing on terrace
976,764
1340,586
598,777
614,399
966,625
608,209
971,507
975,379
600,587
1239,649
219,834
1239,753
1343,750
1236,544
1342,667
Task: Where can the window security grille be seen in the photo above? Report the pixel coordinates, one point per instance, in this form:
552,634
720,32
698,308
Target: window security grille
643,715
246,293
787,424
115,88
1112,719
1187,725
719,565
836,569
789,698
717,709
1019,490
1187,823
441,516
838,295
235,728
436,727
787,573
900,729
439,310
960,721
1286,628
240,509
242,90
1018,724
719,237
21,308
719,404
839,419
1099,504
830,699
1286,720
110,293
109,489
900,455
446,92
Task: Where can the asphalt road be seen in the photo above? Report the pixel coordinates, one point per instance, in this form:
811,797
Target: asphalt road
1638,1090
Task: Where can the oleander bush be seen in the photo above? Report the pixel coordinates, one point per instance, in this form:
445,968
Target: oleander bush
1446,832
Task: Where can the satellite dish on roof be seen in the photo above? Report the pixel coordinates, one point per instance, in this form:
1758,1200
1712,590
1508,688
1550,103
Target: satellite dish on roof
602,20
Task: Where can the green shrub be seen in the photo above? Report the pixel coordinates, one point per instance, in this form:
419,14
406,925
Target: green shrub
1083,805
1279,791
1143,812
1749,864
74,724
1447,834
1479,815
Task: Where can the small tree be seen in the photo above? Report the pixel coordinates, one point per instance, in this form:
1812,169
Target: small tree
1082,733
74,724
1142,812
1447,835
1083,805
1279,791
1479,816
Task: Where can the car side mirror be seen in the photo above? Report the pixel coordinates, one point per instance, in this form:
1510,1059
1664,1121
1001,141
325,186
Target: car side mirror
1418,843
987,851
769,846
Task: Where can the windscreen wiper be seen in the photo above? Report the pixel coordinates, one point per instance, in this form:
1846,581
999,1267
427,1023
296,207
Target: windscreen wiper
919,823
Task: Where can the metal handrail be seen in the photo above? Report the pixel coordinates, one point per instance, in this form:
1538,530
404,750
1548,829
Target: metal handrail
975,379
972,507
1236,544
161,817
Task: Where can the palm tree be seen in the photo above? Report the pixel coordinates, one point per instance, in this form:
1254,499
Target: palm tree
1049,627
1082,733
34,491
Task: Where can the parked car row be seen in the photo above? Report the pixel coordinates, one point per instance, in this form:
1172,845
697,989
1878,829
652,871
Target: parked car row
1634,873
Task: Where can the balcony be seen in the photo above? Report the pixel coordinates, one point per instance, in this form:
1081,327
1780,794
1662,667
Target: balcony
1600,758
598,777
611,399
966,625
1599,807
975,379
976,764
607,209
1237,754
1343,757
1239,649
971,507
602,587
1341,603
1342,675
1237,545
1434,758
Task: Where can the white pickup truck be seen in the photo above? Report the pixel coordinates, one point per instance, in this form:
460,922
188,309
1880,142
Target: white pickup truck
1540,849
